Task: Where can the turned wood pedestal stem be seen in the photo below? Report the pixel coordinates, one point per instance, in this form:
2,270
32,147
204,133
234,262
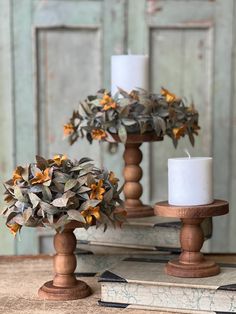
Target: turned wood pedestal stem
133,189
133,173
191,262
64,286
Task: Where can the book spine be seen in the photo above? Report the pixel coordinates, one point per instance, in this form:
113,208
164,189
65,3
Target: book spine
169,297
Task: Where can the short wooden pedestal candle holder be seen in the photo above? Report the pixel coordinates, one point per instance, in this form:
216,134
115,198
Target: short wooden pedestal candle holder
65,286
191,262
133,173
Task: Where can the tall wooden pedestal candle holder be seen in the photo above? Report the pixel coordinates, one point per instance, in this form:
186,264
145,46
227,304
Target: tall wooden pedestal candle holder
191,262
65,286
133,173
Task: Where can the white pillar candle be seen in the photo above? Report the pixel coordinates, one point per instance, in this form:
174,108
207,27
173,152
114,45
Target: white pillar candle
190,181
129,72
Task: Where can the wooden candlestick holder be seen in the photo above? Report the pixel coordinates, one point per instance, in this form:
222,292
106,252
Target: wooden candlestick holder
65,286
191,262
133,173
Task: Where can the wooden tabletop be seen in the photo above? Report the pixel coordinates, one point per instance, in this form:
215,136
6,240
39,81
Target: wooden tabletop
218,257
21,276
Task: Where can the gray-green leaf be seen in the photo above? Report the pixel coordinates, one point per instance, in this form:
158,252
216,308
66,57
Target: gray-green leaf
75,215
48,208
47,195
122,133
34,199
18,194
70,184
89,203
108,195
60,202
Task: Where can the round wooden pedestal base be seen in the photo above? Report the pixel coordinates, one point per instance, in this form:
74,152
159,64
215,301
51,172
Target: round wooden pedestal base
50,292
191,262
65,286
139,211
204,269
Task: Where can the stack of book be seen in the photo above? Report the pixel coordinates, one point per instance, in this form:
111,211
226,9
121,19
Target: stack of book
144,284
138,238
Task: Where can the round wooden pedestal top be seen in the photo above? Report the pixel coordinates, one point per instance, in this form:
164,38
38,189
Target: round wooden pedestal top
217,208
139,138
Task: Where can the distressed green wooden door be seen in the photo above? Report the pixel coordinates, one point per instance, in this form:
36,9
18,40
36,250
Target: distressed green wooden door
190,45
61,54
55,52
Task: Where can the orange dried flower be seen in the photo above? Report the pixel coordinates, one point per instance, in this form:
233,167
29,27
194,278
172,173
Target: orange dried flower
41,177
178,132
97,190
98,134
91,212
17,175
58,159
168,95
68,129
107,102
112,178
14,228
106,98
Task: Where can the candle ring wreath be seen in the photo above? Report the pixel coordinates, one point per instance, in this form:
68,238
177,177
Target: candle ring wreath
101,116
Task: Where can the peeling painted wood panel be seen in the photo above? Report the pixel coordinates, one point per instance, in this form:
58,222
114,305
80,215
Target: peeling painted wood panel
6,117
69,69
25,114
232,125
67,13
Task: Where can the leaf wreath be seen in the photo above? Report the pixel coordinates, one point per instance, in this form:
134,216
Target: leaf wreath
101,116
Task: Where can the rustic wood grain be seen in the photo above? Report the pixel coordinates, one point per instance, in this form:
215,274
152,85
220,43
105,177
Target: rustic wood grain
133,173
217,208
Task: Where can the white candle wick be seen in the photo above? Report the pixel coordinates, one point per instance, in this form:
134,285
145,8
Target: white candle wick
129,51
187,153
